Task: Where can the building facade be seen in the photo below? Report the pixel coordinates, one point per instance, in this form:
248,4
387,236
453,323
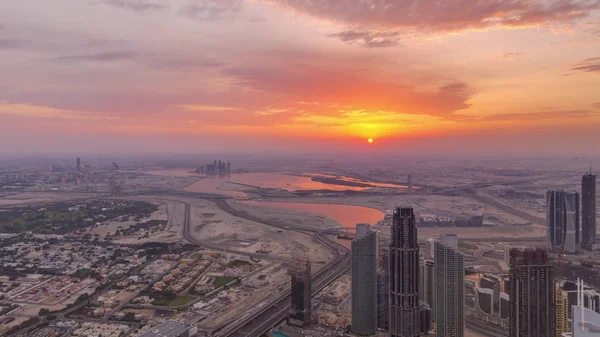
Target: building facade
383,294
405,312
588,211
562,311
427,286
364,282
562,215
301,307
449,288
532,294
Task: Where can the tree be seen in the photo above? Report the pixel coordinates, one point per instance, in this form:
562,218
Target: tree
44,312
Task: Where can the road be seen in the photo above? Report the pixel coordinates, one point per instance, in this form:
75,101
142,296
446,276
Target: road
274,311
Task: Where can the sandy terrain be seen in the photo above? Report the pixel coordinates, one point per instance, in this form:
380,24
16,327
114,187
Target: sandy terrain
212,185
218,227
29,198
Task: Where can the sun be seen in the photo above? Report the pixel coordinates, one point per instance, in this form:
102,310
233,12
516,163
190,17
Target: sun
370,140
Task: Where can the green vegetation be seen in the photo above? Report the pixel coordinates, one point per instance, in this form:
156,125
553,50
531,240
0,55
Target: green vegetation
176,301
222,280
197,256
62,218
239,263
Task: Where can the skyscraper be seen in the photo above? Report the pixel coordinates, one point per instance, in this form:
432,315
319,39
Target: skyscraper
78,164
427,286
301,308
532,294
563,221
449,288
562,310
405,312
364,281
588,211
383,291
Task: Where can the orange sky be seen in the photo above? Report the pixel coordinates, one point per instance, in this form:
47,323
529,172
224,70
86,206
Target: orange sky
467,76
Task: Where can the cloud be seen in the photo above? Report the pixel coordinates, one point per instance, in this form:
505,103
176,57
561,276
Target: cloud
211,9
36,111
12,43
436,15
513,56
370,39
180,62
350,87
596,105
98,57
591,65
137,5
539,116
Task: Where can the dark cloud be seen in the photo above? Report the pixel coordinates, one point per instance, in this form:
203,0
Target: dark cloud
137,5
98,57
591,65
370,39
211,9
451,15
12,44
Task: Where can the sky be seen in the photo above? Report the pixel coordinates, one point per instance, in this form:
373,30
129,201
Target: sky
428,76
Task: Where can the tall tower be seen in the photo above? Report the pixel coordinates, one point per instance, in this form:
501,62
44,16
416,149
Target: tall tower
364,281
78,164
405,312
383,291
562,311
449,288
301,307
427,286
563,221
588,211
532,294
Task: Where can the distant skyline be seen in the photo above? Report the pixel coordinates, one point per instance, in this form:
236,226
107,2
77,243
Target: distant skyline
493,77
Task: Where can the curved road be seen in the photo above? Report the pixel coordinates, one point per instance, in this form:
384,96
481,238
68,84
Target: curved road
265,317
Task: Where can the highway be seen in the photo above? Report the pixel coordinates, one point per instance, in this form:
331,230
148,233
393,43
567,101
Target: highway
274,311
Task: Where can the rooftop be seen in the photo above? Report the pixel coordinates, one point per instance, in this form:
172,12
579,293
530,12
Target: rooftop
167,329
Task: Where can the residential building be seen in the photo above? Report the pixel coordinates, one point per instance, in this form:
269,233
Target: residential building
364,281
563,221
172,329
405,311
532,294
588,211
449,288
562,311
301,307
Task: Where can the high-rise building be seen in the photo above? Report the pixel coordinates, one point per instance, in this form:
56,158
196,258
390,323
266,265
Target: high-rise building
364,281
427,286
449,288
405,311
78,164
585,321
588,211
301,307
430,248
532,294
562,311
563,221
383,290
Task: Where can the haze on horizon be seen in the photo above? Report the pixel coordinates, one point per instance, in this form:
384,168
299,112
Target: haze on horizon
465,76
